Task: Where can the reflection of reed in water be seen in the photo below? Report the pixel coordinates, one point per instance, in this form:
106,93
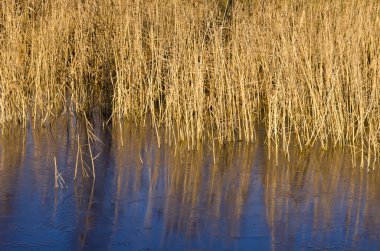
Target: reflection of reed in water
31,148
12,152
26,159
199,188
319,194
185,187
12,145
186,194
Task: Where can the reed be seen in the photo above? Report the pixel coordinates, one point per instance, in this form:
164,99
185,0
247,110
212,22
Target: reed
59,182
200,69
83,156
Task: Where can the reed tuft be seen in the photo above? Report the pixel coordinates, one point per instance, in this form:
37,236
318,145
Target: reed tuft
309,70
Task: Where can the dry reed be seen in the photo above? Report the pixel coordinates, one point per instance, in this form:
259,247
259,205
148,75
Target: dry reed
307,69
59,182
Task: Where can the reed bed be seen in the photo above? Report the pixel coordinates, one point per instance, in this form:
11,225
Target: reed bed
308,70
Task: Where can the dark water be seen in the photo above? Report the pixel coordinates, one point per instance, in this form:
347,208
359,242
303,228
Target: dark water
150,198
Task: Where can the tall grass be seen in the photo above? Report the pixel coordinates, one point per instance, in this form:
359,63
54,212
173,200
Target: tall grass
307,69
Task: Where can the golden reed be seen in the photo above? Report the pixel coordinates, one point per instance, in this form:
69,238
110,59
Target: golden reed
306,69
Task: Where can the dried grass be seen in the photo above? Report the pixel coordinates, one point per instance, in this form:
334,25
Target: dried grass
307,69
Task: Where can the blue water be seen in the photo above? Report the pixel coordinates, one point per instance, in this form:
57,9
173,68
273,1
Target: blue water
169,198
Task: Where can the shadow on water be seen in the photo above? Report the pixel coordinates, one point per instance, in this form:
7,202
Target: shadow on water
150,198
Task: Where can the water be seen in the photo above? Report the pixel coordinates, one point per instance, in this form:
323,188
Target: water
150,198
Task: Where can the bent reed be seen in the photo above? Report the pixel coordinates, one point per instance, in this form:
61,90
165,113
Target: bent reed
308,70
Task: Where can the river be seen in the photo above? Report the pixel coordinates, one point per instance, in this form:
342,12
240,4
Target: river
147,196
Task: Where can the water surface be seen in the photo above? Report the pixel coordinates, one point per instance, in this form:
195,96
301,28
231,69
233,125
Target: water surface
146,197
